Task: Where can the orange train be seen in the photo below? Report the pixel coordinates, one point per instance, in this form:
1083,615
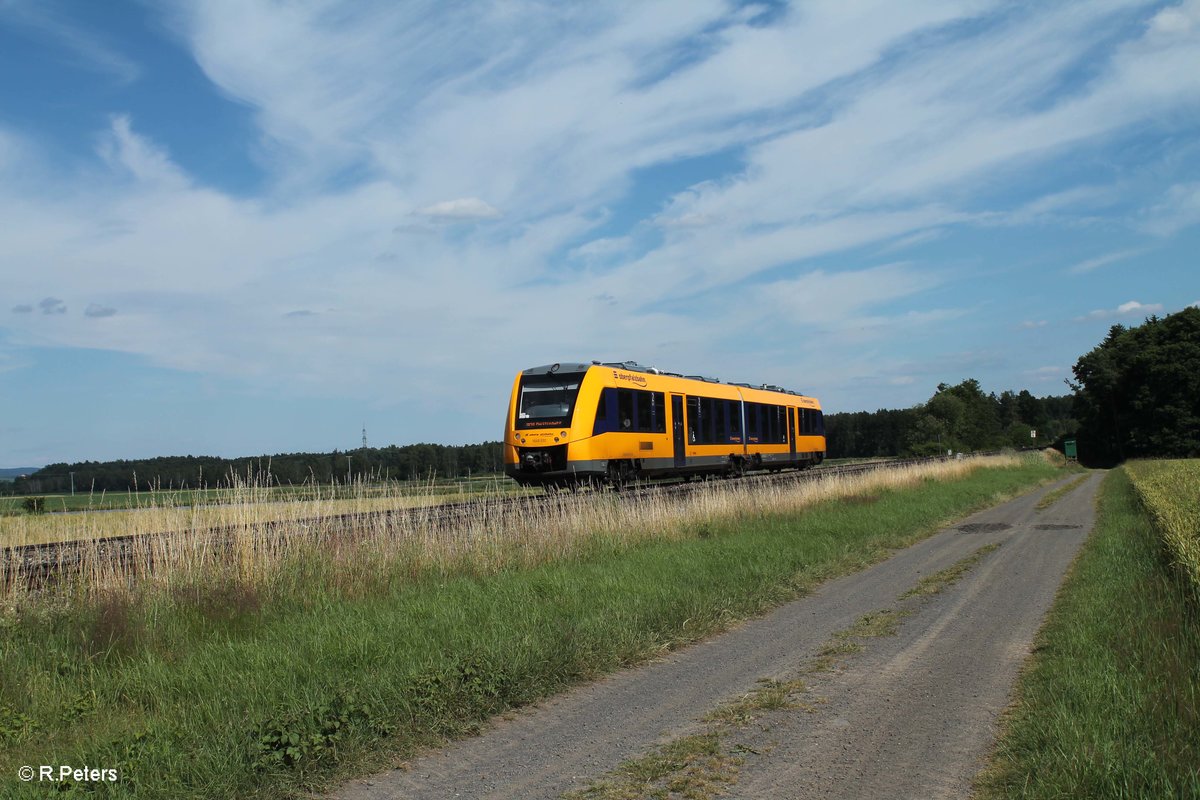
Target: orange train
616,422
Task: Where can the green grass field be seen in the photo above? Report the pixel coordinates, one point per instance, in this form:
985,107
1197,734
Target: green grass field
1110,704
230,688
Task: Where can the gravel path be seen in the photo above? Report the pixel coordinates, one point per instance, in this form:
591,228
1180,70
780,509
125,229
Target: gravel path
911,716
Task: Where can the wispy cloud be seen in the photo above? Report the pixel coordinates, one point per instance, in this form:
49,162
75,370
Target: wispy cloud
460,210
1101,261
52,305
1044,374
98,311
1179,209
22,308
512,136
42,21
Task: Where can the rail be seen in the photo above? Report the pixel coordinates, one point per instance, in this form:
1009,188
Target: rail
38,565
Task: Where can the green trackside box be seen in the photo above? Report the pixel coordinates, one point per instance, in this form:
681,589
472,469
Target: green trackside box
1069,448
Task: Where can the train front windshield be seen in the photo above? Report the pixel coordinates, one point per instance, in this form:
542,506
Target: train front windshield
547,401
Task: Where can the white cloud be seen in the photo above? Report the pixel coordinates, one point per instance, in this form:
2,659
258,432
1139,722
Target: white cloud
143,160
98,311
1033,324
1131,308
462,209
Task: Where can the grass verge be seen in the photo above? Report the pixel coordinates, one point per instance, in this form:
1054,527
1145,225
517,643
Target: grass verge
1109,705
272,687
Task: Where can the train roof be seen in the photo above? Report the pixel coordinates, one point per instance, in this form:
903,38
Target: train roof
633,366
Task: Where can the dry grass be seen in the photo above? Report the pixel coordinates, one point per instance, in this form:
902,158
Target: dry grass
272,547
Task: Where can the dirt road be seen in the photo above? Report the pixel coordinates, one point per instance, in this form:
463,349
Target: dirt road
911,715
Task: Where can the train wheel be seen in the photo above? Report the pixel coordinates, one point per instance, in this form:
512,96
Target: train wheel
619,474
737,467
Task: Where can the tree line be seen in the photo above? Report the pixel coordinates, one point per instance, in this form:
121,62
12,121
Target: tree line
1137,393
408,462
959,418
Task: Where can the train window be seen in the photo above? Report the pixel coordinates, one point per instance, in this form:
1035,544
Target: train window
805,422
819,426
645,412
625,409
734,409
721,420
658,413
693,418
772,426
752,422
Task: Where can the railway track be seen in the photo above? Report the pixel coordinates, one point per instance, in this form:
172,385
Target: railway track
38,565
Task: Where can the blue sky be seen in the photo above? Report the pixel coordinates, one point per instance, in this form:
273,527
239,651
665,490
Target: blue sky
241,227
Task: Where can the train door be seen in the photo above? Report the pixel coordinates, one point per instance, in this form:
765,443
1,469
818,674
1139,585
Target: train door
678,430
791,433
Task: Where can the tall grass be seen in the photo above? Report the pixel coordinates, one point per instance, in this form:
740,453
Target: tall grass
319,654
1110,703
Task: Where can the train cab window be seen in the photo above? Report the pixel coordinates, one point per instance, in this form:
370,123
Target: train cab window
547,401
818,423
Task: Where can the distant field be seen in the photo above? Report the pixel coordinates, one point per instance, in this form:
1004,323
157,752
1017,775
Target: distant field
67,518
108,501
